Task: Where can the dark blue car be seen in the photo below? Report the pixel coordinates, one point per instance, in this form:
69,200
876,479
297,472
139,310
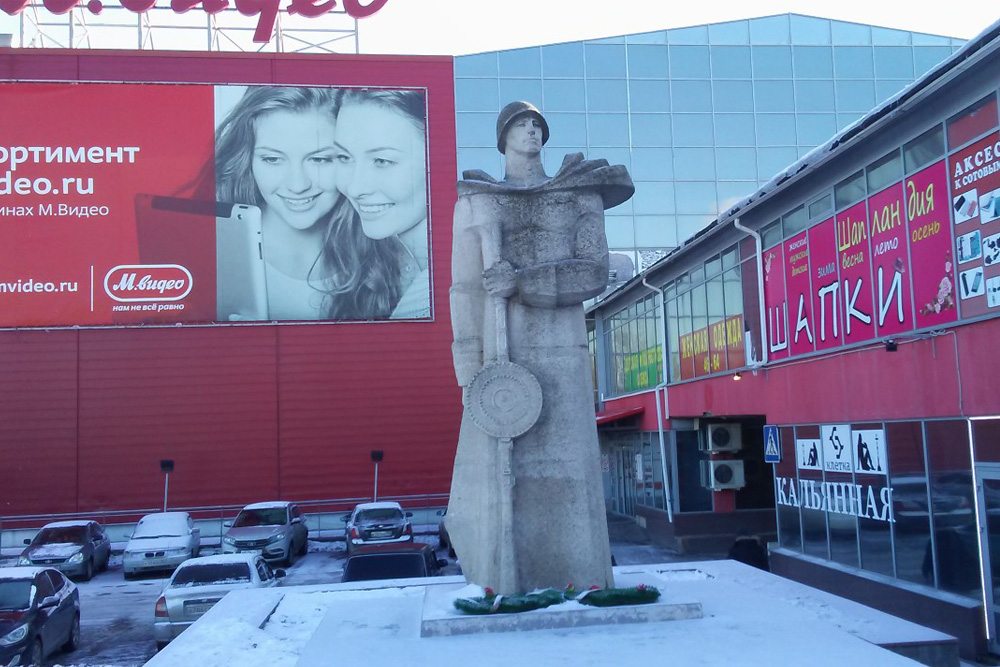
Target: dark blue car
39,614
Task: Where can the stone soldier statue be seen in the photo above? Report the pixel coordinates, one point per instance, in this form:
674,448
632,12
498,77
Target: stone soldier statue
527,503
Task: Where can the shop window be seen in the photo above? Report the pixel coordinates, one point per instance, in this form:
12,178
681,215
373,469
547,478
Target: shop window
673,339
849,190
789,526
874,533
955,549
771,235
973,122
795,221
692,495
821,207
986,436
814,533
843,525
923,150
910,500
884,172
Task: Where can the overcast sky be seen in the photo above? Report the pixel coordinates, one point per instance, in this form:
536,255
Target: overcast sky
455,27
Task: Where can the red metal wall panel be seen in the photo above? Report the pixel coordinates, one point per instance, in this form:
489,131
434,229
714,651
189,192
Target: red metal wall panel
38,415
919,380
203,397
246,412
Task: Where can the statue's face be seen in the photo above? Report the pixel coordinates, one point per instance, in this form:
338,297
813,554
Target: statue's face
524,135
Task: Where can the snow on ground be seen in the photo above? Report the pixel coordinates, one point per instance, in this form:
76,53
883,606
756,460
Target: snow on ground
751,619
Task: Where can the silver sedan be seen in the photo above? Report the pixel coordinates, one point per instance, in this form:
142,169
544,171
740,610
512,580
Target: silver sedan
199,583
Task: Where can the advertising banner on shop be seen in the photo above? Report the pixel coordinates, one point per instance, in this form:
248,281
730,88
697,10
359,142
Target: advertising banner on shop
855,273
930,246
975,201
164,204
775,303
890,262
825,285
799,294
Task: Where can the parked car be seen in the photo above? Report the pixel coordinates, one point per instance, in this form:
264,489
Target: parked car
277,531
75,548
392,561
198,583
444,539
39,614
377,523
161,541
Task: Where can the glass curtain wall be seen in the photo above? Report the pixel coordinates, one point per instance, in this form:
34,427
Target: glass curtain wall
701,116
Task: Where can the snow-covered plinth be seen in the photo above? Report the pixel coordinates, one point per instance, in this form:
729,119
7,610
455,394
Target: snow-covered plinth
441,619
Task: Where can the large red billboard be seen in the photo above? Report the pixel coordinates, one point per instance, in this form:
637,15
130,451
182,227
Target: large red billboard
197,203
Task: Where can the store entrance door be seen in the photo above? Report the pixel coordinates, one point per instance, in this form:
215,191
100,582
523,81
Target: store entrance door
988,492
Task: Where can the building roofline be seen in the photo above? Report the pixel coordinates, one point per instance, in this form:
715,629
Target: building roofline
984,44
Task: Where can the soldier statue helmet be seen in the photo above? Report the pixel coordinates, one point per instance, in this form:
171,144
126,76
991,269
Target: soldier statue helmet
513,111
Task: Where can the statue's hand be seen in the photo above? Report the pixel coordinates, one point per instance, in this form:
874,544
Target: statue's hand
500,279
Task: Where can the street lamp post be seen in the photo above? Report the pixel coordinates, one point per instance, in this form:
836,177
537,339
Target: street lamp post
376,459
167,467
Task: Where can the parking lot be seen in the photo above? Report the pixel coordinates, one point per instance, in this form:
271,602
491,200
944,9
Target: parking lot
117,615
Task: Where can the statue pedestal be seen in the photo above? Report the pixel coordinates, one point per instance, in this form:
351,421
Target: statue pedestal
437,621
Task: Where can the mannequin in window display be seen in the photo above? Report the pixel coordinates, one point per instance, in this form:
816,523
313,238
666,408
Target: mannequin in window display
528,251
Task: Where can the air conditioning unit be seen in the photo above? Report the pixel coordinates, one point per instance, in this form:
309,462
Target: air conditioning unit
722,475
724,438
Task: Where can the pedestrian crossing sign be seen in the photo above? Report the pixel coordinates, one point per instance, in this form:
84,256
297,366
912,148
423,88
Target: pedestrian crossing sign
772,449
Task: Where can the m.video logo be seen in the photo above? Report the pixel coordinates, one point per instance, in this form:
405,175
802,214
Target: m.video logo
148,282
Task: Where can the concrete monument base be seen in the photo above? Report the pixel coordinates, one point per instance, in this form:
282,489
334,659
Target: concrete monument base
440,619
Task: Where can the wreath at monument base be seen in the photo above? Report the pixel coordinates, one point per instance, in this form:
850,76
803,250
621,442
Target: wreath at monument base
492,603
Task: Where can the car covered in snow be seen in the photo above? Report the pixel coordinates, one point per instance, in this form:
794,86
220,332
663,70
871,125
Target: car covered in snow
276,530
39,614
161,541
382,522
199,583
75,548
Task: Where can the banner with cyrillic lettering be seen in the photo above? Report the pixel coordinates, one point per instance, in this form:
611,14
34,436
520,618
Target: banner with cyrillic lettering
165,204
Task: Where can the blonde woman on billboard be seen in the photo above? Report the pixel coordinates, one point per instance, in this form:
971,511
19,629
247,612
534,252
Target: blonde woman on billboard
276,149
382,171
